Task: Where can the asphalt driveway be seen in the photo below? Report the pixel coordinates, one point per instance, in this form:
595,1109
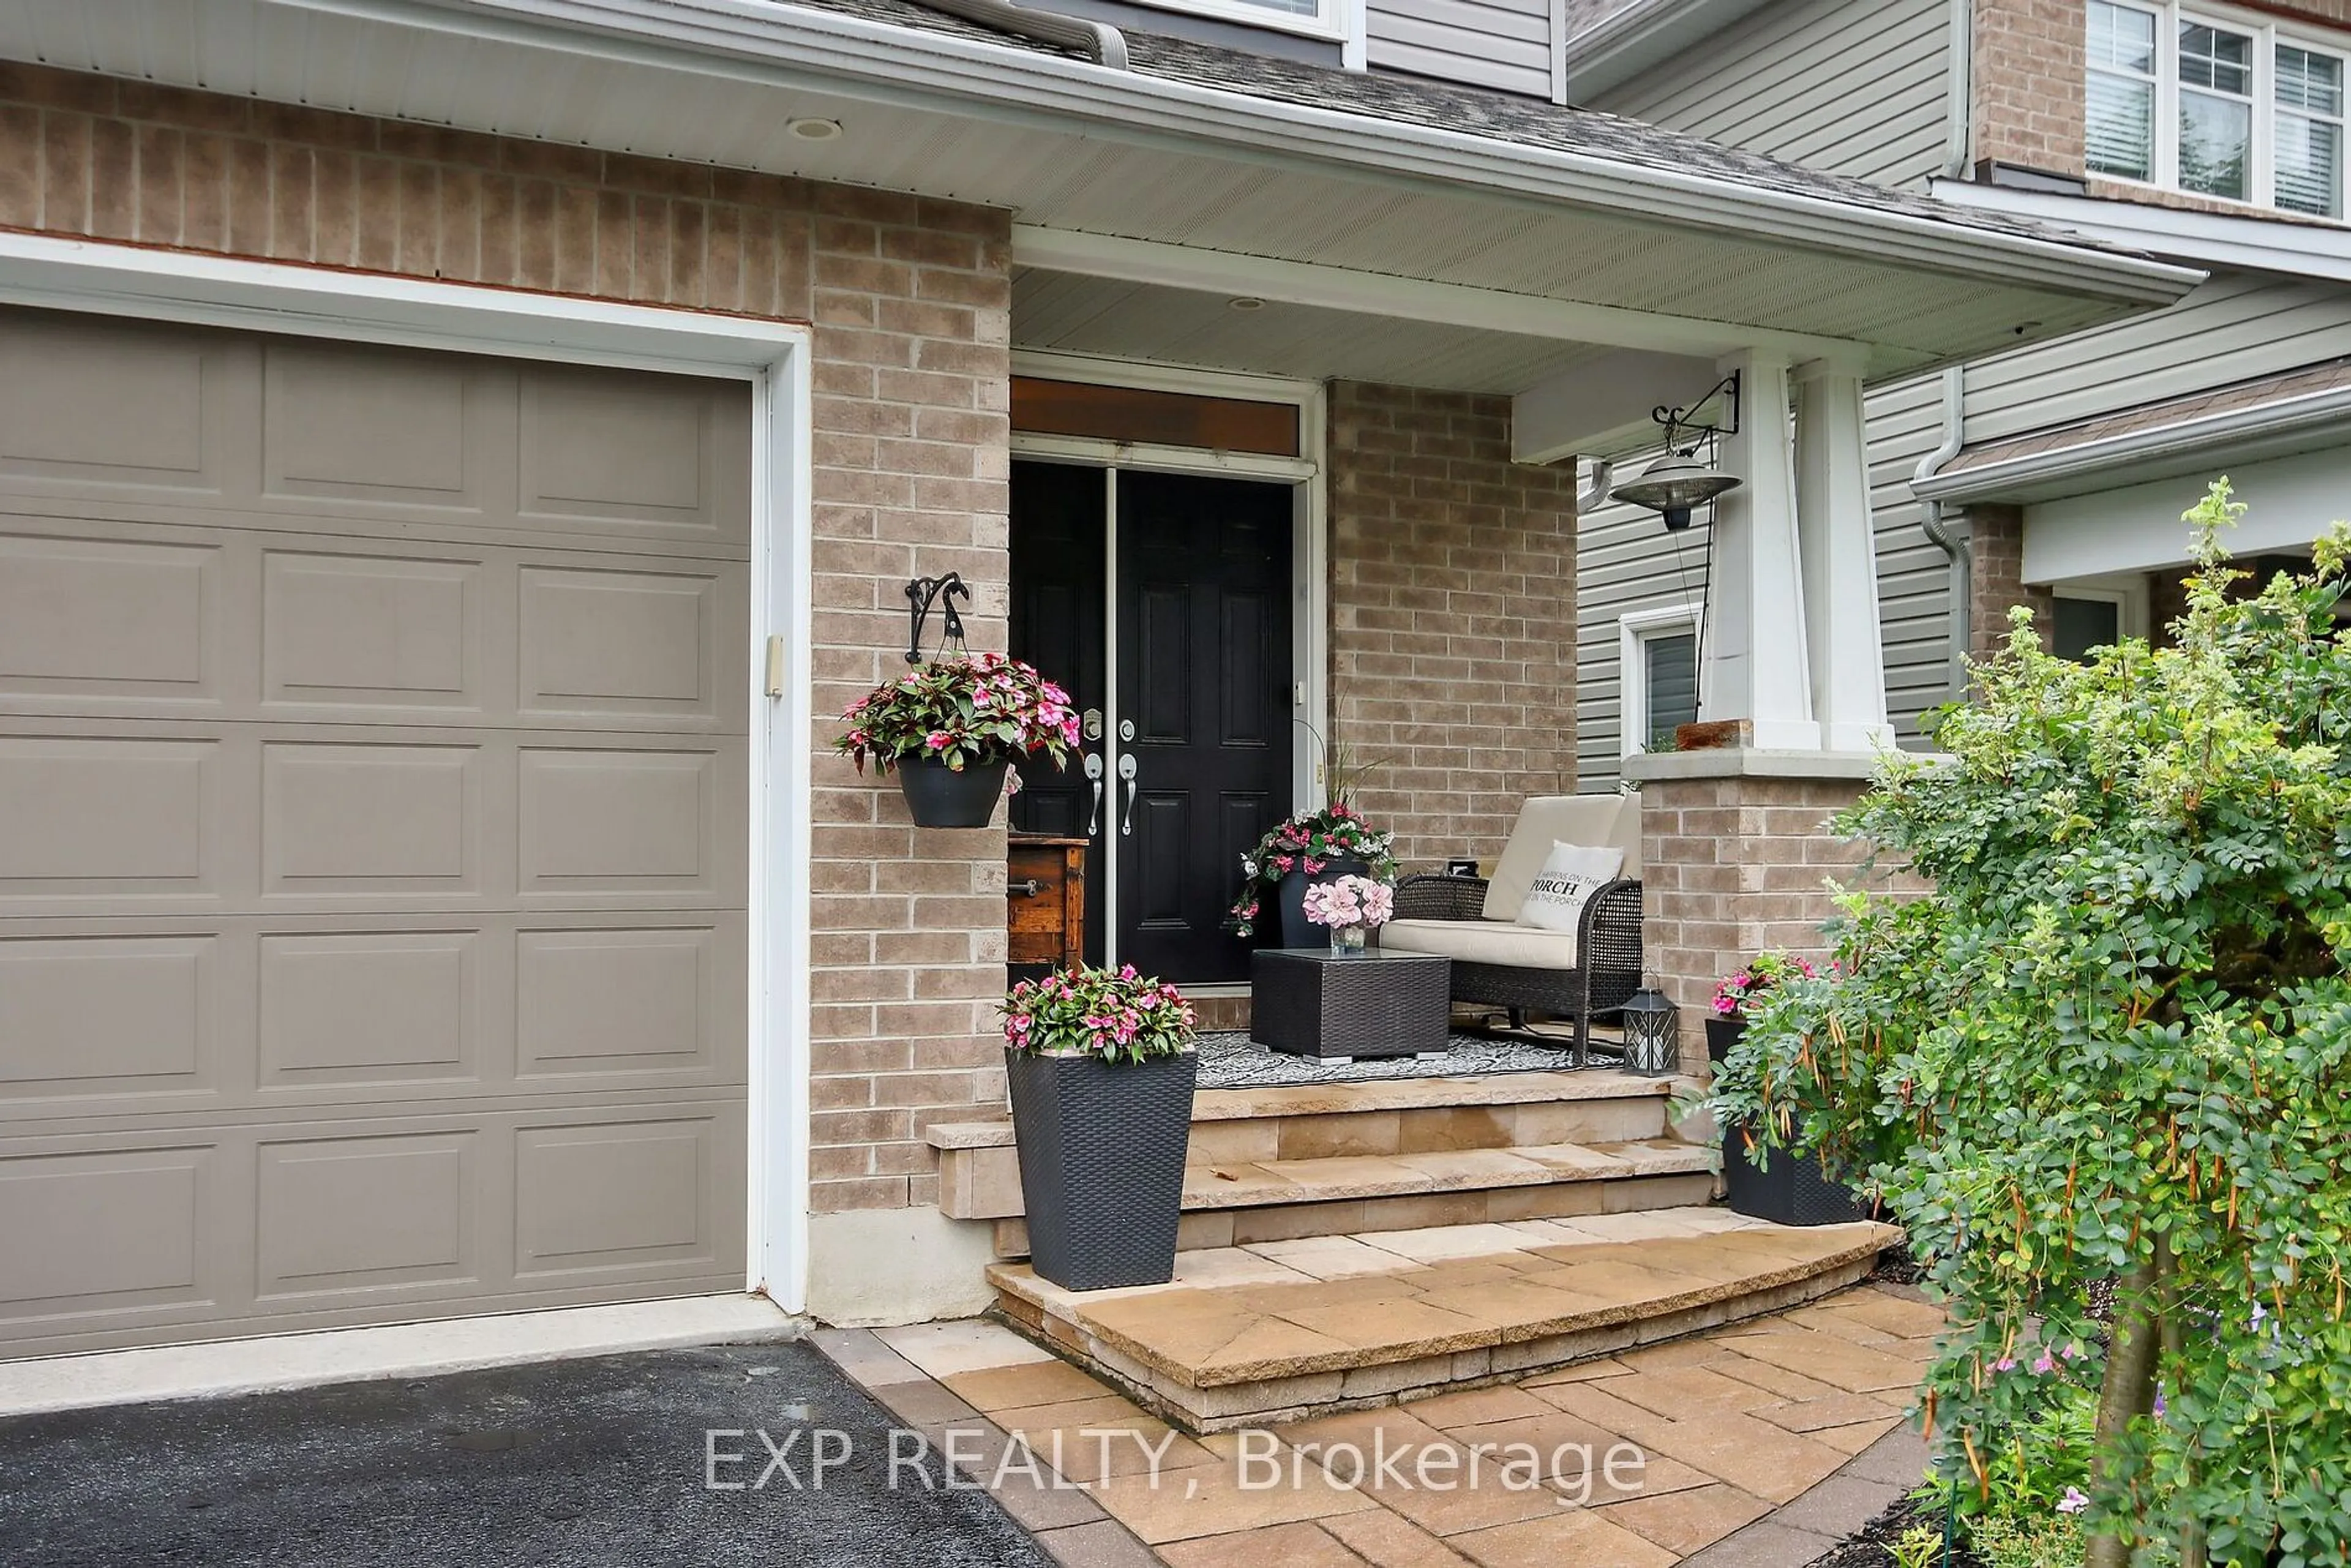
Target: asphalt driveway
621,1460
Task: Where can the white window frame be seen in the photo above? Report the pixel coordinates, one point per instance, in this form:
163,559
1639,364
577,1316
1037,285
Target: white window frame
1633,629
1329,23
2127,594
2267,33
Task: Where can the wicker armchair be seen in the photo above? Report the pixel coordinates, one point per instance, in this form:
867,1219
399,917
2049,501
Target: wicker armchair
1608,955
1502,962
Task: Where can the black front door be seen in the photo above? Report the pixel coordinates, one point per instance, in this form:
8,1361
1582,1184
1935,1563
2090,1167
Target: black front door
1196,756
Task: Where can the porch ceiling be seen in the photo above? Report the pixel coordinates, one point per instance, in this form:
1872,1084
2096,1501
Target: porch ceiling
1350,173
1068,313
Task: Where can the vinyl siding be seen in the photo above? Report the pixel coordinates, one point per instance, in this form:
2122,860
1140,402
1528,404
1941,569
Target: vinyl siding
1626,561
1849,87
1503,44
2235,327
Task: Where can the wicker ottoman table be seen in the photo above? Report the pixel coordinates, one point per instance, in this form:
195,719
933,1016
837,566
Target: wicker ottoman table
1306,1002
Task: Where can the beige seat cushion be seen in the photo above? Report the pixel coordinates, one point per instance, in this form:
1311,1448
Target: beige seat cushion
1483,942
1546,819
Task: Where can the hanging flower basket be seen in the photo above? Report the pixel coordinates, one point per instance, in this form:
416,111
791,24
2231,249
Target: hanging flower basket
951,728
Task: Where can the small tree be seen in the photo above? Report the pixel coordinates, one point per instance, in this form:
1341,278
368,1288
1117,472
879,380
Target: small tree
2110,1044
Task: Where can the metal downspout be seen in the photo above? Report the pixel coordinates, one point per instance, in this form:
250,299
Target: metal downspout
1955,547
1104,45
1958,87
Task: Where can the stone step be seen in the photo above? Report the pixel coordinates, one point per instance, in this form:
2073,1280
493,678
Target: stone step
1277,1330
1230,1203
1383,1154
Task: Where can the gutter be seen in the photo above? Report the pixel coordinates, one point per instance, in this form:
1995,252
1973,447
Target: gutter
1102,44
2260,430
770,42
1959,552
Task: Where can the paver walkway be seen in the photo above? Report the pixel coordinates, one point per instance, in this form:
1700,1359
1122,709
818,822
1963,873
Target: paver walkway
1756,1446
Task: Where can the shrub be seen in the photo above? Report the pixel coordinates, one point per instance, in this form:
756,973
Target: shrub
2111,1044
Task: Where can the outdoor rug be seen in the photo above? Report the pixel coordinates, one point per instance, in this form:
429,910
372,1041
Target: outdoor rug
1229,1060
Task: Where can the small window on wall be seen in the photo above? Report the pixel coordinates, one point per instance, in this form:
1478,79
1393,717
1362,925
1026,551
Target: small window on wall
2096,613
2083,624
2229,106
1660,653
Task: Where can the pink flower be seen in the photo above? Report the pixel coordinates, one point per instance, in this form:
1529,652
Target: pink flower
939,740
2072,1502
2044,1365
2005,1363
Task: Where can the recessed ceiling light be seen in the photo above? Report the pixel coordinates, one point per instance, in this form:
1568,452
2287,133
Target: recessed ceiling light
1246,302
814,129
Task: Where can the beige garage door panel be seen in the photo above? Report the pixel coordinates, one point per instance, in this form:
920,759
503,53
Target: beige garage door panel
168,621
121,1238
373,833
289,434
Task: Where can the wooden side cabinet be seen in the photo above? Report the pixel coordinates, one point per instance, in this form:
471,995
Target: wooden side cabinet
1045,894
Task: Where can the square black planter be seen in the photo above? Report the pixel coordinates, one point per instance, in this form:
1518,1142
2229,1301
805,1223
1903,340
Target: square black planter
1101,1164
1795,1190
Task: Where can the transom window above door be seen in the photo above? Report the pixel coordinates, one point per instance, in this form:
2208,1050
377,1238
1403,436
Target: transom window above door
2216,105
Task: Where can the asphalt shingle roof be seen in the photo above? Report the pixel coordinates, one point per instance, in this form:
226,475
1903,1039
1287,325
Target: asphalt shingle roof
1477,112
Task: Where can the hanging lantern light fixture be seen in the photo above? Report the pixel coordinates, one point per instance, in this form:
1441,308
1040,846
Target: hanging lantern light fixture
1686,478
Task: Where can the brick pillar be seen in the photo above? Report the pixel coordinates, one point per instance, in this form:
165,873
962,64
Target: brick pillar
1996,583
1736,856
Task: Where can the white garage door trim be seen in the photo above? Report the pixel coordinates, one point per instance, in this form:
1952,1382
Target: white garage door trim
773,357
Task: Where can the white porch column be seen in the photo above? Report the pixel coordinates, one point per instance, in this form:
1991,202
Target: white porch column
1839,553
1755,663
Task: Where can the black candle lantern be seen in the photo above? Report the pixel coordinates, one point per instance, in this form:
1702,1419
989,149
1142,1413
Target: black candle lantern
1653,1035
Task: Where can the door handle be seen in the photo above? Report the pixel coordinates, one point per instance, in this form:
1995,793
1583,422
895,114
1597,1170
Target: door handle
1126,772
1094,772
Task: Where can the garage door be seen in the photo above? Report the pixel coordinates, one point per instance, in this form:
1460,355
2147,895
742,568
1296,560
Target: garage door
373,825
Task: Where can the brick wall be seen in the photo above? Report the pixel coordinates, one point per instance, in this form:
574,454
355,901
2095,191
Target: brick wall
911,301
2028,86
2027,83
1996,581
1731,866
1453,615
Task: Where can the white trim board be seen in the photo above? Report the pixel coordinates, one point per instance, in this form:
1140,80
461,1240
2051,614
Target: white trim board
45,273
2258,241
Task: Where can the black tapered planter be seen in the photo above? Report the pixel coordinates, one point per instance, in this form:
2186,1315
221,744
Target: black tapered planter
1101,1164
944,797
1795,1190
1297,931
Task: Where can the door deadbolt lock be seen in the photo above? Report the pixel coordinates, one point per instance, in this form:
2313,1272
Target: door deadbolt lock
1091,725
1126,730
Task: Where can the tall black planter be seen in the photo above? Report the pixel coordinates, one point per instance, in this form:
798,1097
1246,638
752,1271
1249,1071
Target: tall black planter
1796,1190
1101,1164
944,797
1297,931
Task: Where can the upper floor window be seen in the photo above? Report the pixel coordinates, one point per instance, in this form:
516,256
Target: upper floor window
2215,107
1313,18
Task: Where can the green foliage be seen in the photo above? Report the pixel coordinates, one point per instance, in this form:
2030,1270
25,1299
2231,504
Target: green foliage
2112,1043
2014,1541
1918,1547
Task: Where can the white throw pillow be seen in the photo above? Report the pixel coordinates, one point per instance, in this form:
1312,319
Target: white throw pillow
1565,884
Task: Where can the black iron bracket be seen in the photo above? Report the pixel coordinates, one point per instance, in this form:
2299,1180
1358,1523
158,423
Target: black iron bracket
1678,419
921,594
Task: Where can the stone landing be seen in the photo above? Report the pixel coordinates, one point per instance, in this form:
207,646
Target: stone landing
1281,1331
